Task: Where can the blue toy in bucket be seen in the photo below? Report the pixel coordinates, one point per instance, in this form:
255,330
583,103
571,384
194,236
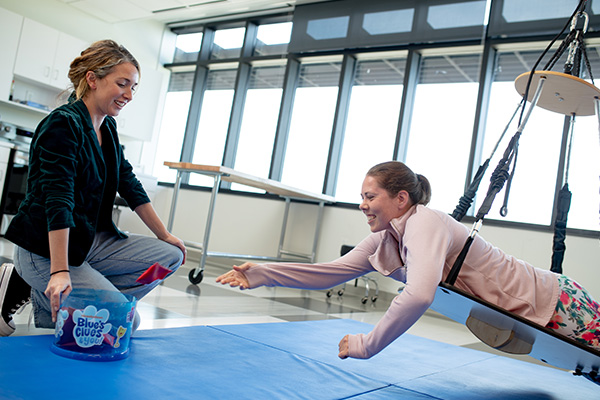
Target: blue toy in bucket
94,325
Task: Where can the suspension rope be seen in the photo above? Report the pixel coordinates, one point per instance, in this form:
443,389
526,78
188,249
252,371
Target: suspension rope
466,199
501,174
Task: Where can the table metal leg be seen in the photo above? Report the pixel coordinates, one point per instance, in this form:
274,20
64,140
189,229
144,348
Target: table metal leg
286,214
174,201
309,257
196,275
317,231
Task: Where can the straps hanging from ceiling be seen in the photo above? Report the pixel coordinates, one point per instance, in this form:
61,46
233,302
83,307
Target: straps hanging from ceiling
503,172
467,199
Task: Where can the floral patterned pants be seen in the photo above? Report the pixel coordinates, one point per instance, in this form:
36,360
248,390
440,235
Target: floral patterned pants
577,315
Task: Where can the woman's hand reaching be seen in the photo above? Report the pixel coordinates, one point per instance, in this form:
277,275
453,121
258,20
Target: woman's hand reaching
343,347
236,277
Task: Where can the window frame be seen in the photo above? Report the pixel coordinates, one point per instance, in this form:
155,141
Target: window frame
490,46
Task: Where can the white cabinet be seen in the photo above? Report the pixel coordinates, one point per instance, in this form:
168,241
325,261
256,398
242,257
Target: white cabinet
44,54
10,29
69,47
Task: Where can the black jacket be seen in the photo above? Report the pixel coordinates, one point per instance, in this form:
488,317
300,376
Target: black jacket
66,183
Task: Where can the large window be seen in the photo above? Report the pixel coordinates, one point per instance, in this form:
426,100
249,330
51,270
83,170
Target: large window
172,128
315,99
310,129
214,121
272,39
584,168
442,124
531,194
227,43
372,121
187,47
259,122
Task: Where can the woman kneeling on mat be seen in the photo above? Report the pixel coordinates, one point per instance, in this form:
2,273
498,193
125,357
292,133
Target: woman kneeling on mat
417,245
64,234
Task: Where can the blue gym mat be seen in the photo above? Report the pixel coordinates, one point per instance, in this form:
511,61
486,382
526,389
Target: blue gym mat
289,360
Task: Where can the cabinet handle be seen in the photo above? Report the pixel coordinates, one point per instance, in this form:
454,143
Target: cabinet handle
55,77
47,71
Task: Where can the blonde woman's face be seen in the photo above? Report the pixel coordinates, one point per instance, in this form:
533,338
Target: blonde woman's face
111,94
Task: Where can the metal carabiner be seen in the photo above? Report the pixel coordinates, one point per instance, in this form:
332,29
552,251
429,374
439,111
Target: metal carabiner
580,14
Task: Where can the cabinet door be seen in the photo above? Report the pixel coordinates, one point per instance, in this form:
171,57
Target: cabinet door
68,48
35,56
10,30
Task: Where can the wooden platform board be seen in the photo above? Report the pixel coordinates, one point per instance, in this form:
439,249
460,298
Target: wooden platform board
561,93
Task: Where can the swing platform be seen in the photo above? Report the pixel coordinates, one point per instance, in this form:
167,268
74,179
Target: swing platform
511,333
563,93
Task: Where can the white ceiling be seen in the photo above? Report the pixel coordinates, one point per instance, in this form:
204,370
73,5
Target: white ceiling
169,11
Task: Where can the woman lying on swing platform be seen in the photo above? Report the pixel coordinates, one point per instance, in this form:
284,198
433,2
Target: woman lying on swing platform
418,246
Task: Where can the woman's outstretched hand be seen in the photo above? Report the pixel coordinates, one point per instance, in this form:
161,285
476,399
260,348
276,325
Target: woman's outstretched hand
236,277
343,347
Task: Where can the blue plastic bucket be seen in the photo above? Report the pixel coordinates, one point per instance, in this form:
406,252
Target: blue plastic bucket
94,325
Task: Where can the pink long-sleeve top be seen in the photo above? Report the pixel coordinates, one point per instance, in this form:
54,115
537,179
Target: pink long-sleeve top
419,250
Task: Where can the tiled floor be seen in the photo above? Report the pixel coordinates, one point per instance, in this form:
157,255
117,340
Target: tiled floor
177,302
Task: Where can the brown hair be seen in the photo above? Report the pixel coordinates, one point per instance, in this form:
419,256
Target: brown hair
394,176
100,58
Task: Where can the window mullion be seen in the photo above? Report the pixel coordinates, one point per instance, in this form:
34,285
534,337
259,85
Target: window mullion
411,79
239,98
339,124
486,78
198,88
290,82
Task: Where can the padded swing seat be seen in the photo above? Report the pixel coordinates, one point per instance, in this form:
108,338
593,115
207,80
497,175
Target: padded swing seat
512,333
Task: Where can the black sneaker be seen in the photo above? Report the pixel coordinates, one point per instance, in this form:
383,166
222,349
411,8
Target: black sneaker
14,294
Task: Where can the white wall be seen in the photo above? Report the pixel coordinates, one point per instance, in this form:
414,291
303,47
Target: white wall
247,225
143,38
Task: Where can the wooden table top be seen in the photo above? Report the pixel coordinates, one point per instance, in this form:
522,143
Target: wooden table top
231,175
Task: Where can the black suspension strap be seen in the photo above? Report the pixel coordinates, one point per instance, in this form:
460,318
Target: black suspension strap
467,198
576,45
576,57
560,229
497,180
501,174
563,204
504,208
